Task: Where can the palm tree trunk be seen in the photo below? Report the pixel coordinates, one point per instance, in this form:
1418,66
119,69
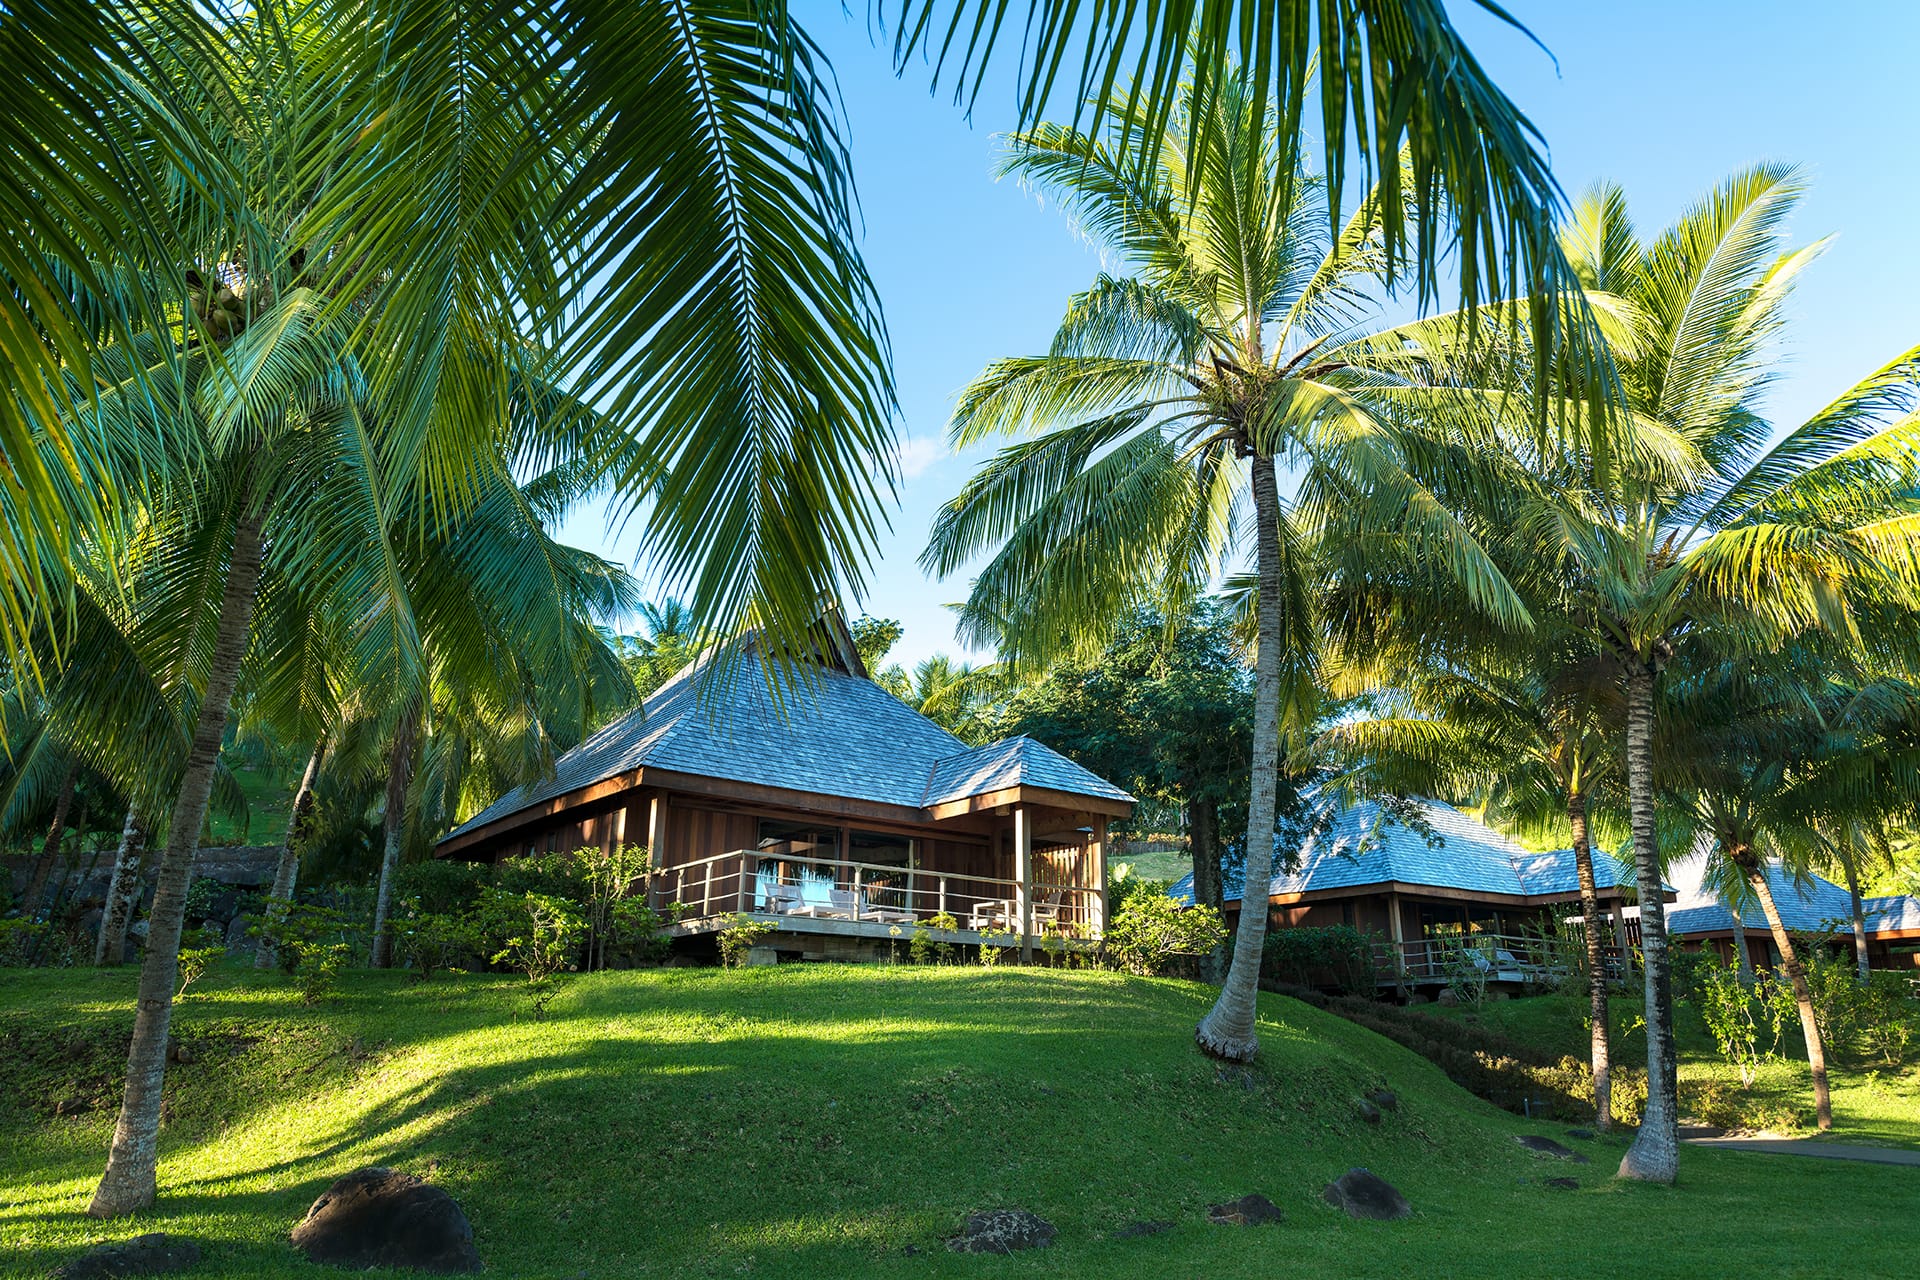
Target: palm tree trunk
31,903
1203,834
1655,1153
129,1182
123,890
1741,951
1228,1029
394,824
288,869
1859,919
1596,962
1802,993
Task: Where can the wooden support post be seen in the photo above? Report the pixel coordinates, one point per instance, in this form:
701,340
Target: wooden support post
706,891
1097,869
744,874
859,909
1023,872
1396,932
656,843
943,895
912,899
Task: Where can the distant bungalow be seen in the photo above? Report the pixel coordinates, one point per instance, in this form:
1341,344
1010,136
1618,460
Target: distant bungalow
1423,902
820,802
1810,905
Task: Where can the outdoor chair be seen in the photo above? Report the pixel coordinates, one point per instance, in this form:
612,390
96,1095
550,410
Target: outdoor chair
992,913
1047,909
783,899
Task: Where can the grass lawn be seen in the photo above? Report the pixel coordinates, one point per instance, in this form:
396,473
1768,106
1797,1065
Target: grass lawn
1872,1103
815,1120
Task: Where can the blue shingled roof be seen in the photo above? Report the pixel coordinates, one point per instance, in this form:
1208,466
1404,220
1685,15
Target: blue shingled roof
1013,762
829,733
1894,914
1364,845
1804,907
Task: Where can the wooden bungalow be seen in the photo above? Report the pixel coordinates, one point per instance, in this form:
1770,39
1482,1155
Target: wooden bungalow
1432,891
1812,905
819,802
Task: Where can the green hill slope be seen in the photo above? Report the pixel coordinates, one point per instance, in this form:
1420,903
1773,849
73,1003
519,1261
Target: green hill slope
817,1120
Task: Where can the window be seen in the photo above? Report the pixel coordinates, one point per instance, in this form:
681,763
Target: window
878,849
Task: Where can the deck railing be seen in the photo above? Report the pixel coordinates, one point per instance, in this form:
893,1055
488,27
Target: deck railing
1495,957
747,880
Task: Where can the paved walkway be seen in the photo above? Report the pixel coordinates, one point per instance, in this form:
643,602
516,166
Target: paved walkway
1818,1150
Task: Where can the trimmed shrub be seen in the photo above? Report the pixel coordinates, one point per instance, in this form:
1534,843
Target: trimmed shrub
1150,933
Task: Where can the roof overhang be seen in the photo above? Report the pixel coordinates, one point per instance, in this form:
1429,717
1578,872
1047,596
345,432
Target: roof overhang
775,797
989,801
1445,892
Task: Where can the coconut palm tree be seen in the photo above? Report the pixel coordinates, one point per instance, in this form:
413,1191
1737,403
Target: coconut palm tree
953,694
512,628
1239,341
1764,756
1528,733
1764,537
675,210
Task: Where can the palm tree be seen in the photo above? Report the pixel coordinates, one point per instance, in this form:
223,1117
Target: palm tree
1528,734
1754,542
510,620
953,694
1750,750
675,211
1239,341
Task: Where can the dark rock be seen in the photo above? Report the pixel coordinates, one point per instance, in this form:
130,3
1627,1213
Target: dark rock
1366,1110
1366,1195
1447,998
239,941
1385,1099
910,1251
157,1254
1002,1231
1548,1147
1247,1211
384,1218
1585,1135
1564,1184
1134,1230
179,1051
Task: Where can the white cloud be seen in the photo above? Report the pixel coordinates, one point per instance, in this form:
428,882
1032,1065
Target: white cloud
919,453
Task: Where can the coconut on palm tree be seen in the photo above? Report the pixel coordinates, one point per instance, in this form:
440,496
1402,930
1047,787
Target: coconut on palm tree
1243,338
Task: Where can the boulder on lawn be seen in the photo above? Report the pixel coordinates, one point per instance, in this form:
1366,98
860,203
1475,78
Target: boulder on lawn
1366,1110
1385,1099
1366,1195
157,1254
1247,1211
240,939
1548,1147
1002,1231
385,1218
1564,1184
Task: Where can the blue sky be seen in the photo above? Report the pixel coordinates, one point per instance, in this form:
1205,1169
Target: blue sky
1664,98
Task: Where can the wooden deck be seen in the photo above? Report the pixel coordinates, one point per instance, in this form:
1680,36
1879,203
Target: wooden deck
870,907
